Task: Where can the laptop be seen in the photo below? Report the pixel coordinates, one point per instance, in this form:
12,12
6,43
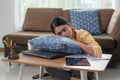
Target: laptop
43,54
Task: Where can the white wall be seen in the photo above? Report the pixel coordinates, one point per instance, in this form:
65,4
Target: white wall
6,18
116,4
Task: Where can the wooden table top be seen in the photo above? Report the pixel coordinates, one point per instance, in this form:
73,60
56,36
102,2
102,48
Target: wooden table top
96,65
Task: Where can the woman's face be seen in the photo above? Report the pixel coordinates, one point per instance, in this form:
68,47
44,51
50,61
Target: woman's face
63,30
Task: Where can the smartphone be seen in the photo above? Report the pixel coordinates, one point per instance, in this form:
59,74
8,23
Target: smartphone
72,61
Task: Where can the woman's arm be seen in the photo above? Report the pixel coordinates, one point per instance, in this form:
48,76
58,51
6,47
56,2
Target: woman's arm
86,48
90,46
88,43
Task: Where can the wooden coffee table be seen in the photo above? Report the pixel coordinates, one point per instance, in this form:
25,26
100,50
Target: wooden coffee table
96,65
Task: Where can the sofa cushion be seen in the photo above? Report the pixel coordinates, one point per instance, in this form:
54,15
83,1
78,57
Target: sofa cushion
38,19
85,19
104,18
114,25
105,41
66,14
56,44
21,37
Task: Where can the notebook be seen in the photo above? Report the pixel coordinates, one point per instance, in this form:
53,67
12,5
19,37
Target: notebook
43,54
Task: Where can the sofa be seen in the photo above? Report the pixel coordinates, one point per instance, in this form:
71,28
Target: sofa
37,21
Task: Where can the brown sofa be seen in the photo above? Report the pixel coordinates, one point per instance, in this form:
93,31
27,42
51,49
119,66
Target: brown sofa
37,21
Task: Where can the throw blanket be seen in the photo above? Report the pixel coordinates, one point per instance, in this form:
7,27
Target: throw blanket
85,19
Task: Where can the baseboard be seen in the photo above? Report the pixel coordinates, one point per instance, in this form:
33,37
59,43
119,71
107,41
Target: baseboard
1,49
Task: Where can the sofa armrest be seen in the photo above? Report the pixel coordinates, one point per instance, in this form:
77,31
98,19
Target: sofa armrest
114,25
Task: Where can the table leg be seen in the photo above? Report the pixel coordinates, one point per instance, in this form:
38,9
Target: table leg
41,72
83,75
96,76
20,72
10,66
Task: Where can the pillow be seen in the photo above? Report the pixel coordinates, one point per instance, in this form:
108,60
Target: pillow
85,19
55,44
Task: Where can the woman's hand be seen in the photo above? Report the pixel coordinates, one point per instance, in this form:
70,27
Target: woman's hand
85,47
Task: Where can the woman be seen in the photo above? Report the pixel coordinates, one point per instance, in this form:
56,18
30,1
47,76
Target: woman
59,26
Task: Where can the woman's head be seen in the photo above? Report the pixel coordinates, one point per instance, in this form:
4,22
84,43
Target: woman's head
58,21
59,26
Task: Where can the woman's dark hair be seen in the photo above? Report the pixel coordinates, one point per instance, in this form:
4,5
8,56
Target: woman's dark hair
58,21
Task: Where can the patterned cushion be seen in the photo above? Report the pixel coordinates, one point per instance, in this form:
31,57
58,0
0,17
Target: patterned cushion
85,19
56,44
